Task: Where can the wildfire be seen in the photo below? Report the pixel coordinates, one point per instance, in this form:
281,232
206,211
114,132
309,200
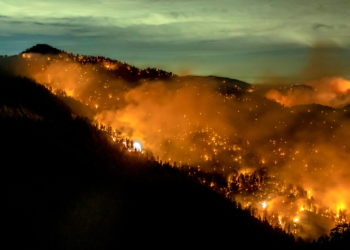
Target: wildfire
195,139
137,146
280,221
340,85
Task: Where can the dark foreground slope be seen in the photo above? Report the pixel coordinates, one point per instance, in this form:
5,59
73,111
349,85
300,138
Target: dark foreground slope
68,187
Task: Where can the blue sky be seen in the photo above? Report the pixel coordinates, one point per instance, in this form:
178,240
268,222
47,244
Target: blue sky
238,39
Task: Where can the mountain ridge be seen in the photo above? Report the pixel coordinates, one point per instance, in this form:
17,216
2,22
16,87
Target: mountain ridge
48,49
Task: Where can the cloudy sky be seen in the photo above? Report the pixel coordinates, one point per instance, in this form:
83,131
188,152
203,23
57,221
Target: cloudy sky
241,39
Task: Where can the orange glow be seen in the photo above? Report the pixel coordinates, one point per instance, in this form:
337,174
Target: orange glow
70,92
341,85
137,146
324,91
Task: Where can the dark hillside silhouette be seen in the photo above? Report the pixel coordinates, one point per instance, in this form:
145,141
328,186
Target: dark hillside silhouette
68,187
43,49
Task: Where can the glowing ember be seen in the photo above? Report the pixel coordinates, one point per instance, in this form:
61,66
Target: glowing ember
264,205
137,146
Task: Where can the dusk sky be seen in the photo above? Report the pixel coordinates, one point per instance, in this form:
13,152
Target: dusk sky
237,39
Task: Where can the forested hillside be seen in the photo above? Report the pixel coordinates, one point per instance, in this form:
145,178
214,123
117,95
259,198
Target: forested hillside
68,187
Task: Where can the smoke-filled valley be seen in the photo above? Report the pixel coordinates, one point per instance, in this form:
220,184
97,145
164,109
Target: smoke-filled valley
280,150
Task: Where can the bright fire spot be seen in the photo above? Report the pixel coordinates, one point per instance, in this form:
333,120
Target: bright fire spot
137,146
280,221
296,220
264,205
69,92
341,85
24,55
340,207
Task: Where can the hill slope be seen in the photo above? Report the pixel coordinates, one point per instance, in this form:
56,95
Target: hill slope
68,187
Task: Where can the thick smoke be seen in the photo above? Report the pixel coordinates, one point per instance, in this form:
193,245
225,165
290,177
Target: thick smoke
319,81
174,119
190,122
91,83
333,92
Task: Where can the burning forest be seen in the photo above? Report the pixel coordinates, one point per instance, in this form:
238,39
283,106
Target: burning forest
279,151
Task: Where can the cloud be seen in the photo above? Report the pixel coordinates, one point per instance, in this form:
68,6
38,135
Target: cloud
322,26
188,19
184,32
